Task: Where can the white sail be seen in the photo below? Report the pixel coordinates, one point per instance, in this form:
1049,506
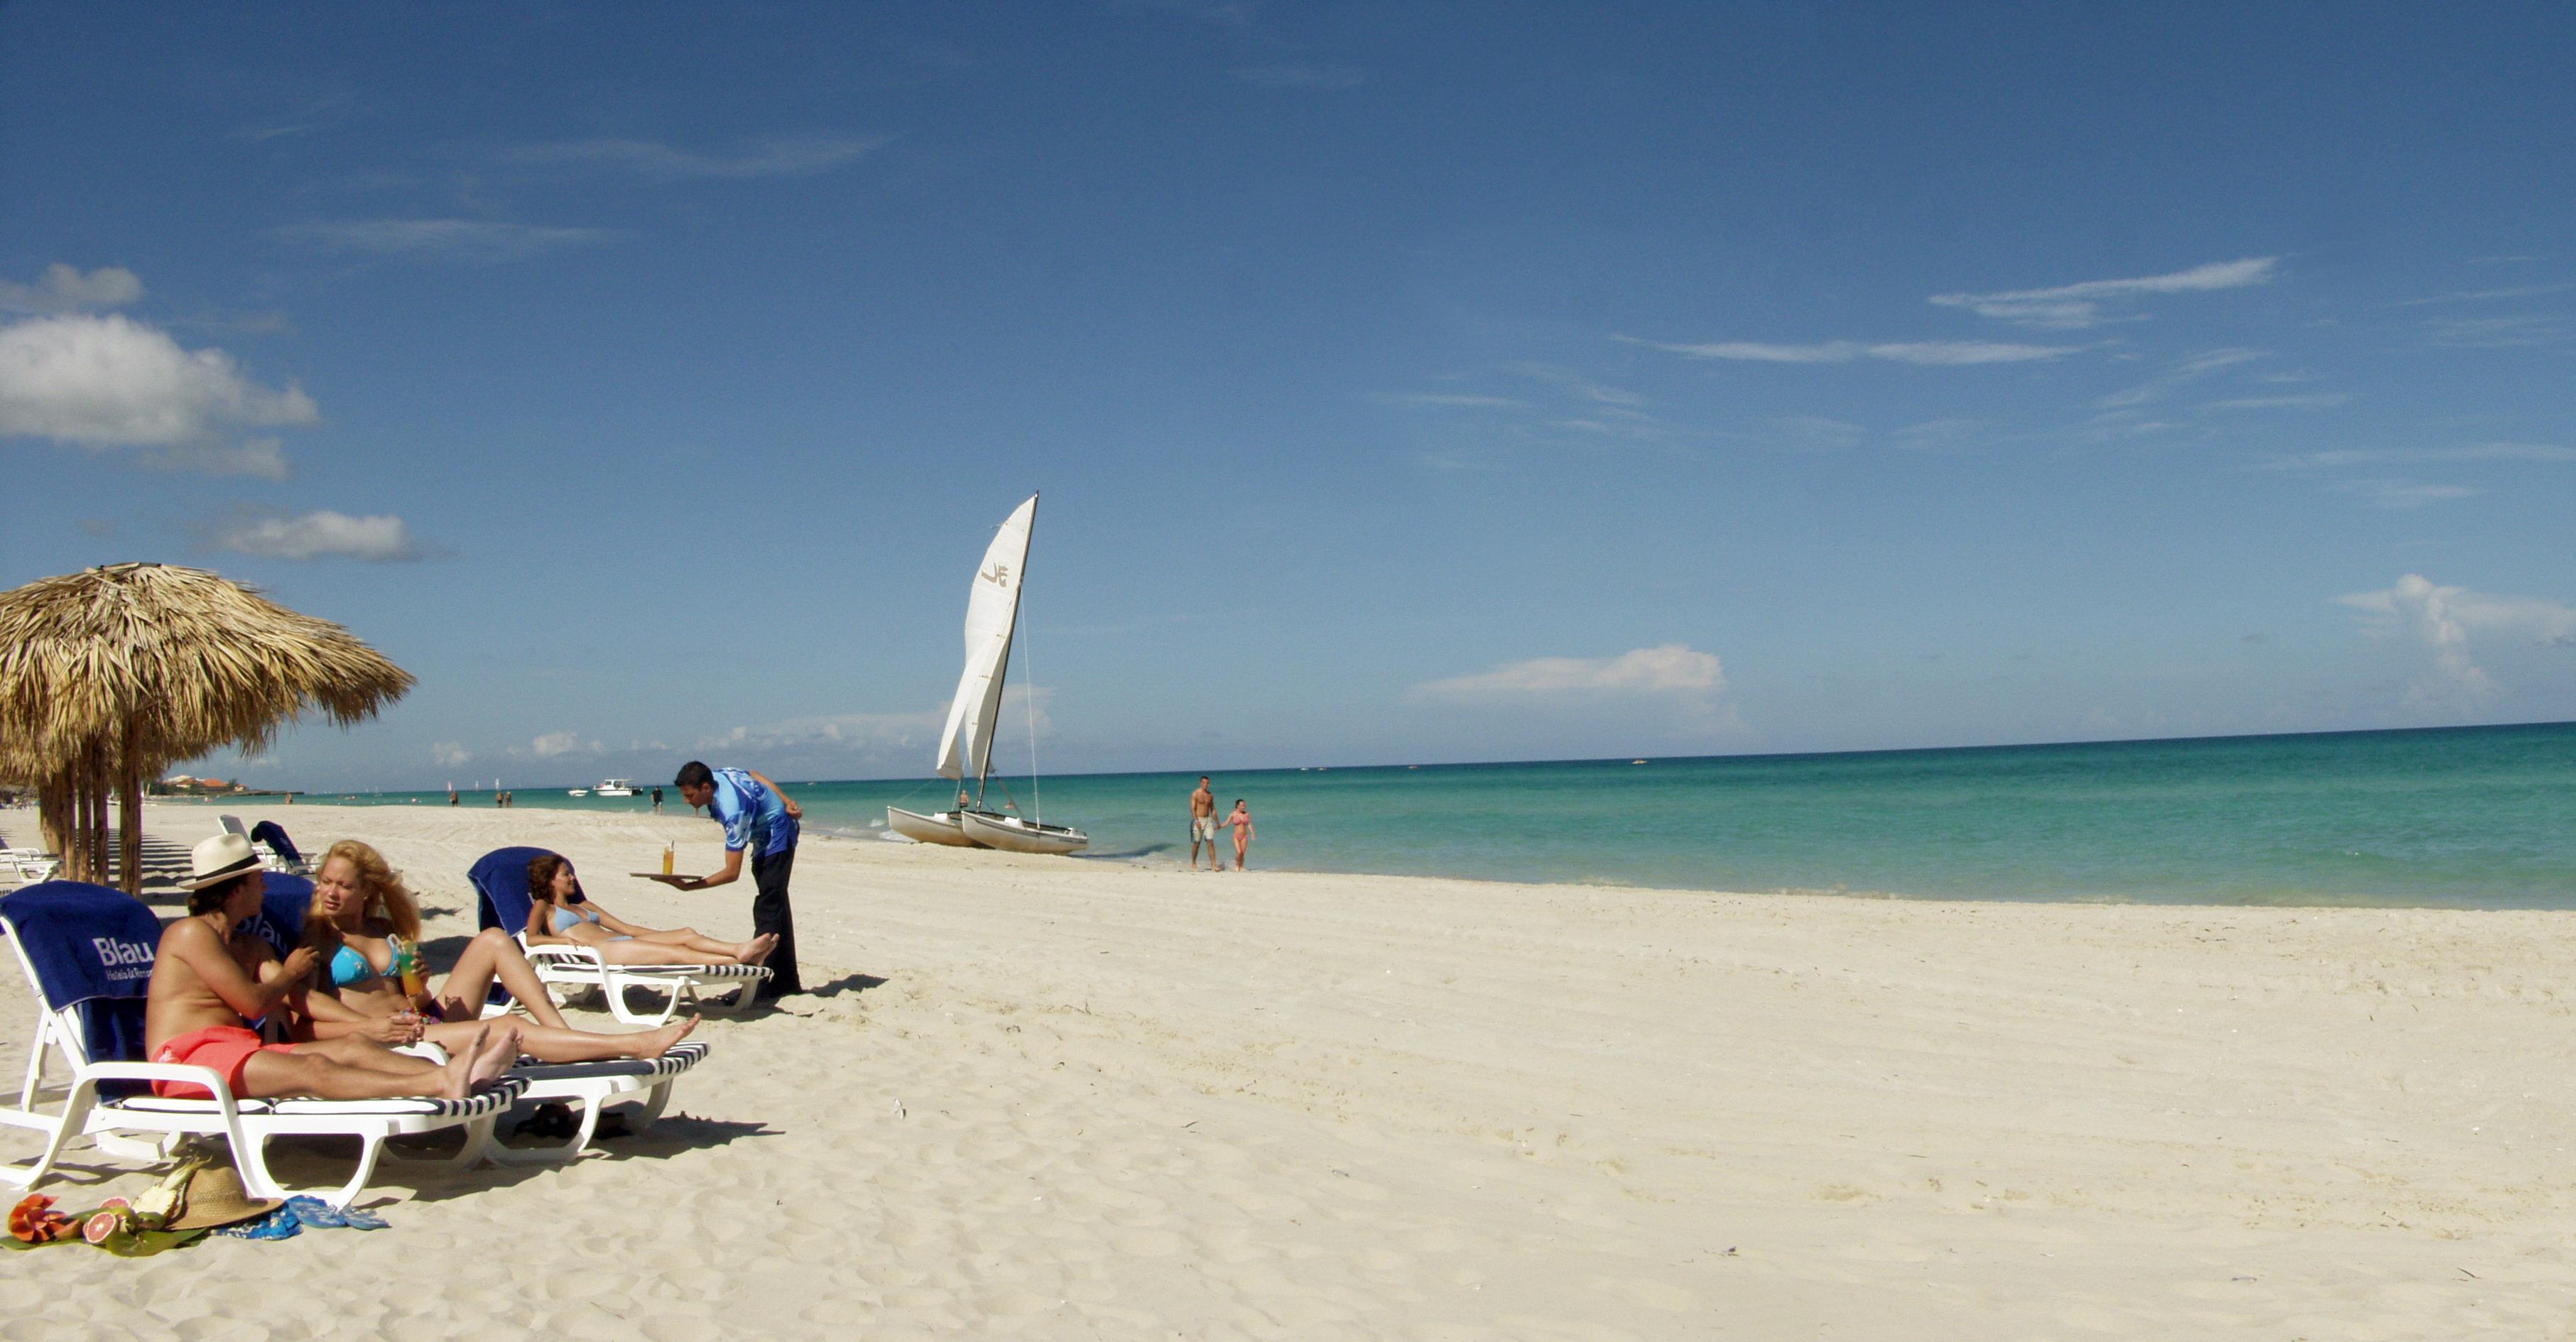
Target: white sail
993,607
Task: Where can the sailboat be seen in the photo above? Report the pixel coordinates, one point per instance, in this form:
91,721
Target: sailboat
966,744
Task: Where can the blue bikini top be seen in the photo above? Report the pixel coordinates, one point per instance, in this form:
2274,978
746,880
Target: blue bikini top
348,967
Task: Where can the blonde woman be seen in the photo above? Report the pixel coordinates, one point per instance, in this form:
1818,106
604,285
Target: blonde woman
361,922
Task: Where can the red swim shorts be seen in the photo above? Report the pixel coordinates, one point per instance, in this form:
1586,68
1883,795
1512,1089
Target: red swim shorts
222,1048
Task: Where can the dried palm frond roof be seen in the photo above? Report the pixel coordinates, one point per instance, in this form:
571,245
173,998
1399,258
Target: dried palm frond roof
191,660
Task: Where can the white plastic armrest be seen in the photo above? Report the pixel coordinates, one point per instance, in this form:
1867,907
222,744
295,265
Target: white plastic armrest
162,1071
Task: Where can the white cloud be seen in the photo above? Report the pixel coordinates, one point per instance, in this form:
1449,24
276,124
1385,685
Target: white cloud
2079,305
440,239
258,458
785,157
107,380
555,745
2444,617
1672,669
319,535
1302,76
65,289
449,753
1929,352
2404,493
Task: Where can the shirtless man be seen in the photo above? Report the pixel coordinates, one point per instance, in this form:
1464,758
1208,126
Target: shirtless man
1203,826
207,980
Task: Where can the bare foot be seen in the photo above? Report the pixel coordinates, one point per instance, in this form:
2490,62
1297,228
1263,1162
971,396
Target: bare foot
458,1072
494,1052
655,1043
757,949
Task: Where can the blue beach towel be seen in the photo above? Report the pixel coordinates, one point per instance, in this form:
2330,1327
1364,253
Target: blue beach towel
274,835
92,948
500,880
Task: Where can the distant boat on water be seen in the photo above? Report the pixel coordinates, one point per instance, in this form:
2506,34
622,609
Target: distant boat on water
966,744
614,787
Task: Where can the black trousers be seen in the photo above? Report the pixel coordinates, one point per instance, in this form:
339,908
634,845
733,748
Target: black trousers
770,913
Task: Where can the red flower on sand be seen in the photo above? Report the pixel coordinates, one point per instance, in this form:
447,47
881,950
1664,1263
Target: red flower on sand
34,1221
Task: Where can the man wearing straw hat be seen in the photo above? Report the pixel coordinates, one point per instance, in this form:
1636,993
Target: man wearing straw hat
207,980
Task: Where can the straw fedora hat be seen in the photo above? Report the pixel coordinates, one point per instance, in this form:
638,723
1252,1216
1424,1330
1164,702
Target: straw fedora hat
214,1197
220,858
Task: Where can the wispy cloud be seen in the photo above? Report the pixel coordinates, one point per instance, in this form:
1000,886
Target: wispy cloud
1934,353
2443,619
1302,76
449,753
654,161
1819,432
323,534
2522,332
556,745
440,239
1671,669
64,288
2191,368
2372,456
2313,401
1457,401
2404,493
1937,435
2484,295
257,458
2080,304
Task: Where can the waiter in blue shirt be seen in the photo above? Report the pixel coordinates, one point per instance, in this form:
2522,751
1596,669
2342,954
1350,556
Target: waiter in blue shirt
758,819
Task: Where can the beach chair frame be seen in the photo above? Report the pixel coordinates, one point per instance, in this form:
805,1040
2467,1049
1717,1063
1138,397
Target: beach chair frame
568,971
146,1129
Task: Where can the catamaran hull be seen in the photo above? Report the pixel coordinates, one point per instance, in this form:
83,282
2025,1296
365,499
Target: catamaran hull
940,828
1019,836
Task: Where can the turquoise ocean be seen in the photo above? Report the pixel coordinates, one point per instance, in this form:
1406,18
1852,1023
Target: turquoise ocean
2480,817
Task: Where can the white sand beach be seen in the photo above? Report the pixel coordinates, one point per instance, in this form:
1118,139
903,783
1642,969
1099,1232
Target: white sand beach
1048,1098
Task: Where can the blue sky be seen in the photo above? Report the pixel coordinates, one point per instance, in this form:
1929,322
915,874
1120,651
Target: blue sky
1404,383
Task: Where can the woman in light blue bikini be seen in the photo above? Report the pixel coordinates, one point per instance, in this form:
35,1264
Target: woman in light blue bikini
559,912
361,921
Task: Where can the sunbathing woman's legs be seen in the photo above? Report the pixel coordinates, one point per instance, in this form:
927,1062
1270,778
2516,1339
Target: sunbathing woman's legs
711,950
662,948
552,1043
357,1069
493,955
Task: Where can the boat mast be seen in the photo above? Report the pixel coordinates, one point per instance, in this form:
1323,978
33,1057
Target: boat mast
1002,674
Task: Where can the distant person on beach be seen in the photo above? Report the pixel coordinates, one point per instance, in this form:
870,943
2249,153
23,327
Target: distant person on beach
760,819
657,801
559,913
1203,826
451,796
209,979
1241,820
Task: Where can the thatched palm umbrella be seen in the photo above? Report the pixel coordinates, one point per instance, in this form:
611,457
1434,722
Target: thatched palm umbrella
111,674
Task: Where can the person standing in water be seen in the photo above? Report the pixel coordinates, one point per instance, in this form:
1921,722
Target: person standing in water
1241,820
1203,826
758,819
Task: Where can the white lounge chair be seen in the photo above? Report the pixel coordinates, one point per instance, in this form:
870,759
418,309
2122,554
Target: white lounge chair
589,1086
500,880
97,946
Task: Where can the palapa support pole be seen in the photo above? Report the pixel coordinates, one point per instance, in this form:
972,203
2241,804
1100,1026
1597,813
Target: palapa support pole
130,803
76,856
53,814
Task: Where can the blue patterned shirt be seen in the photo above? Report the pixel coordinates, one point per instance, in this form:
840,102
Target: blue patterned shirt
753,817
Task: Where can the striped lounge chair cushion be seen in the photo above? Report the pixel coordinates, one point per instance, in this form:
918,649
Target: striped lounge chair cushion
493,1100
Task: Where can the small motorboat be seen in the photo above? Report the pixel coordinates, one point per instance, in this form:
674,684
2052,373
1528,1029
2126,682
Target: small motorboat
941,828
1020,836
577,792
614,787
